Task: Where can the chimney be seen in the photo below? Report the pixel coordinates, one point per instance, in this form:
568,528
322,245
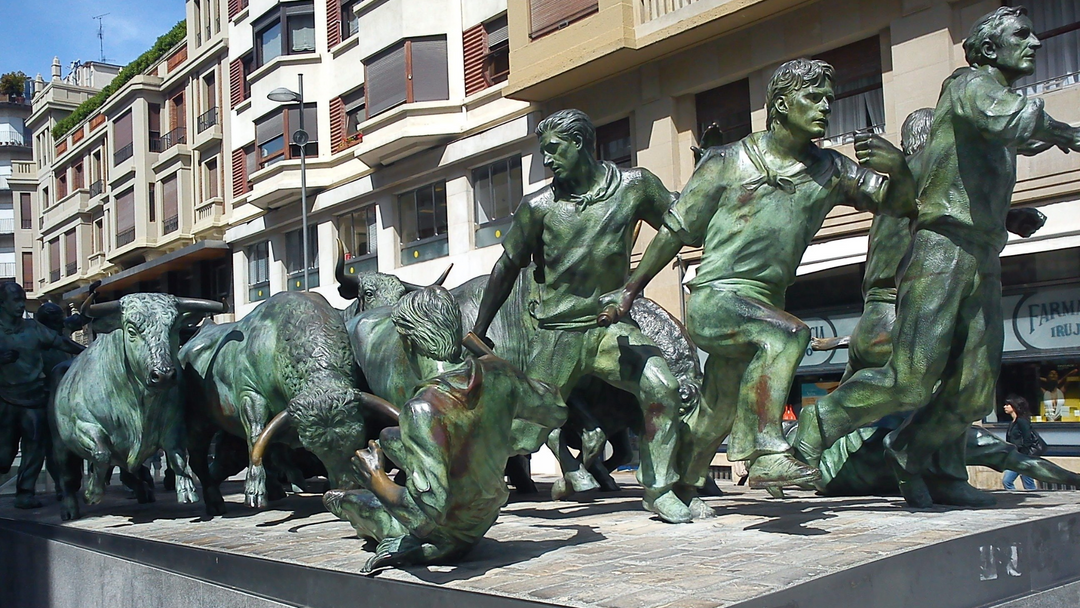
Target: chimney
39,84
56,68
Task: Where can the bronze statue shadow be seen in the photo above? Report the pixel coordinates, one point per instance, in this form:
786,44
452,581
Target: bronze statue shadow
491,553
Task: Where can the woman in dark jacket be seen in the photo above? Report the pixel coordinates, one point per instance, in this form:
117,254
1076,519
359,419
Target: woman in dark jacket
1019,434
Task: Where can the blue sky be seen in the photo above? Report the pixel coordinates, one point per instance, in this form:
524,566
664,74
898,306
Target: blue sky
33,31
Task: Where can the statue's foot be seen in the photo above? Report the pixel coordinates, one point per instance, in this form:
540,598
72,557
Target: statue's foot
809,444
332,500
27,501
958,493
700,510
69,508
396,552
185,490
560,490
581,480
255,487
779,470
607,484
912,487
592,444
669,508
775,492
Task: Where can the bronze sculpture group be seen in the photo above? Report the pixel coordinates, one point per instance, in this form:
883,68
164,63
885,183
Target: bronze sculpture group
563,350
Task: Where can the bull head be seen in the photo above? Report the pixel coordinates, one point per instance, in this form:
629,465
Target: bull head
371,288
149,327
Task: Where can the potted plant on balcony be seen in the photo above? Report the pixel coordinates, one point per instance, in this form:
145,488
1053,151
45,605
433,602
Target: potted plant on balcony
13,84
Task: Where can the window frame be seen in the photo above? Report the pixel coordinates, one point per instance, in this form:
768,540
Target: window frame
499,50
510,162
249,253
404,244
410,96
616,126
279,16
286,153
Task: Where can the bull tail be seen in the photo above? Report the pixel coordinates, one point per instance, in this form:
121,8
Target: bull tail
282,419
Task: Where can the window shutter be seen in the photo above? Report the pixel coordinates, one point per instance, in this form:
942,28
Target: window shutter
337,125
385,80
548,15
475,50
28,270
122,130
26,212
239,173
168,201
54,256
70,249
498,31
333,23
125,211
236,81
234,8
430,78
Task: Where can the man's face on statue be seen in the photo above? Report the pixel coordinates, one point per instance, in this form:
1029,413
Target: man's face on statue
808,109
560,152
14,304
1016,46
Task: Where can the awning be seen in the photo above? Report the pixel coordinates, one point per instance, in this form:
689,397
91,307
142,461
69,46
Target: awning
176,260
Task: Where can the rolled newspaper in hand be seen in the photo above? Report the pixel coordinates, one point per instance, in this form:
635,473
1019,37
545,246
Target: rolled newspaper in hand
608,316
476,345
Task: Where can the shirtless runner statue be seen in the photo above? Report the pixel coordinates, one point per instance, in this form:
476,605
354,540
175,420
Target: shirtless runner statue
948,337
580,233
755,205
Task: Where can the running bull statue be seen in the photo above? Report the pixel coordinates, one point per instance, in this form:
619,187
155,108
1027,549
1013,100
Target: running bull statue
287,363
119,401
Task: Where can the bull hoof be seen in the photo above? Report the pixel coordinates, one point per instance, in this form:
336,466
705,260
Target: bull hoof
94,495
255,488
700,510
581,480
69,509
185,491
669,508
27,501
214,509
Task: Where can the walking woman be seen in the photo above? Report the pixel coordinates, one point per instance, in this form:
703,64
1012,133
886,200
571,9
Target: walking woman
1019,434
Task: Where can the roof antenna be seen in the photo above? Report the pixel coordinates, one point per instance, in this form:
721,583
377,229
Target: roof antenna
101,34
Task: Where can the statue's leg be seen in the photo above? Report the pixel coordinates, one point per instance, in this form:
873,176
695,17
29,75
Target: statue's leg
363,510
100,462
199,438
934,283
704,429
254,416
623,357
871,340
10,429
936,435
34,431
143,492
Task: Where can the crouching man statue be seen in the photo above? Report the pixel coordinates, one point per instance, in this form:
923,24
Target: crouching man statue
453,440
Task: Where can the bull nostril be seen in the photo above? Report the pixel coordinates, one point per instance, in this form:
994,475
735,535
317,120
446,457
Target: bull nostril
157,377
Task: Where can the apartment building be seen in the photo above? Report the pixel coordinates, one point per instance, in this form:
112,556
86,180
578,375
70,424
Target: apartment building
133,194
657,72
417,158
15,161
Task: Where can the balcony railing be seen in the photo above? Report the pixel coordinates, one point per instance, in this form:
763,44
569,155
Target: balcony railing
54,275
170,224
207,119
7,270
176,136
652,9
125,237
97,188
27,223
123,154
7,226
71,269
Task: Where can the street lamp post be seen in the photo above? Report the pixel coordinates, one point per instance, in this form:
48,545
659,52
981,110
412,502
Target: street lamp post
300,138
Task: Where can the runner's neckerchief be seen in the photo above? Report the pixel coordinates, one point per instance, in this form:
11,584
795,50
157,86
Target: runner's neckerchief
603,190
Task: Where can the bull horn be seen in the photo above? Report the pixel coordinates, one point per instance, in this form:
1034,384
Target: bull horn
104,309
208,307
348,287
439,281
380,405
257,450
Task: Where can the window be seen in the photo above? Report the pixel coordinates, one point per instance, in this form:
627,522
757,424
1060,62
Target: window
151,203
153,126
423,213
122,143
270,133
239,69
26,211
359,232
28,270
170,213
410,71
125,218
294,258
77,178
860,103
287,30
1058,61
355,113
54,260
497,190
729,107
258,257
497,57
45,198
613,143
243,165
71,256
210,179
549,15
61,184
99,234
350,22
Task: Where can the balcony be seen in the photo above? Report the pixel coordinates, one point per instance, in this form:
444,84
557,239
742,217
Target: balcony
170,225
71,269
123,238
172,138
207,120
653,9
54,275
7,271
123,154
7,226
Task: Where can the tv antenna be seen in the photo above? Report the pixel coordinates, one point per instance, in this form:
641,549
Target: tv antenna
101,34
